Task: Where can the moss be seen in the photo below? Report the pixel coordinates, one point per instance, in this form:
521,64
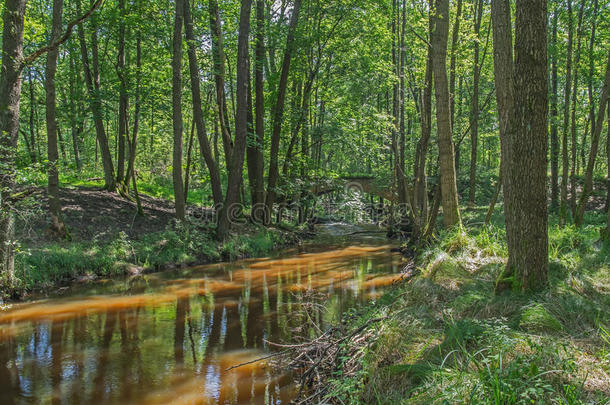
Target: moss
538,318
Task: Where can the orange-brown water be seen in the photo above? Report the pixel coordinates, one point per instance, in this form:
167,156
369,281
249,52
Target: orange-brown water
168,338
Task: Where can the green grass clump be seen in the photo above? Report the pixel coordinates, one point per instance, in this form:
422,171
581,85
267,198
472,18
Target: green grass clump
537,318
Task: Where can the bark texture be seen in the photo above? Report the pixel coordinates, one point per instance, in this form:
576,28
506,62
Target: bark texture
10,90
177,112
439,36
241,123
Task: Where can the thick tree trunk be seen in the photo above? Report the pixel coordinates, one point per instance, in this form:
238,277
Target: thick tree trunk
584,197
202,136
554,118
218,57
527,169
278,111
10,91
474,111
57,223
241,123
177,112
565,164
451,213
92,80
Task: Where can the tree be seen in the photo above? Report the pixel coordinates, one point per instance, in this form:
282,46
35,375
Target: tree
554,116
218,57
278,110
257,142
57,223
202,136
241,122
92,80
584,197
566,121
438,40
10,91
525,129
474,127
180,204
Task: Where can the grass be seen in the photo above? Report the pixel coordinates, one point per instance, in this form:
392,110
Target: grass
55,264
450,340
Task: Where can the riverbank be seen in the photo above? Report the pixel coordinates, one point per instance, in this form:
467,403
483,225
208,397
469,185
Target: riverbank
445,337
109,239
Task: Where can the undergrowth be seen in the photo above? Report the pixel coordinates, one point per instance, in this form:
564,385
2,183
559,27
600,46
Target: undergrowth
54,264
449,339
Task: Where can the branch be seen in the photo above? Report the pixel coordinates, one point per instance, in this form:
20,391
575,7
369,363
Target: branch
33,56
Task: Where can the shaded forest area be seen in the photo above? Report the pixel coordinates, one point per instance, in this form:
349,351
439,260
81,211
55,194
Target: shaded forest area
136,134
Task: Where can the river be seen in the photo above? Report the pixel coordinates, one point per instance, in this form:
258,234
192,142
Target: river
169,338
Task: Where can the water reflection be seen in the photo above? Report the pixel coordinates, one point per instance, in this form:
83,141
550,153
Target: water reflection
168,338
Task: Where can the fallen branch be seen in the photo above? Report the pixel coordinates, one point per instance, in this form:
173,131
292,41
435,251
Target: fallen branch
257,360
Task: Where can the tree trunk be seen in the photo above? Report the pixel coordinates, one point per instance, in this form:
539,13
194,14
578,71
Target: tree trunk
10,91
241,123
92,79
202,136
608,159
74,113
219,76
527,170
584,197
33,141
592,70
503,77
421,154
278,111
574,146
57,223
123,97
565,164
474,129
554,118
133,145
454,43
259,105
187,170
494,198
451,213
177,112
136,114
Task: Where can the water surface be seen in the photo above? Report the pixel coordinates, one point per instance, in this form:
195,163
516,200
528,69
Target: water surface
168,338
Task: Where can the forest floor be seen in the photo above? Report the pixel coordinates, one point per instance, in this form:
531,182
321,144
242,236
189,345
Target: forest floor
109,239
444,337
